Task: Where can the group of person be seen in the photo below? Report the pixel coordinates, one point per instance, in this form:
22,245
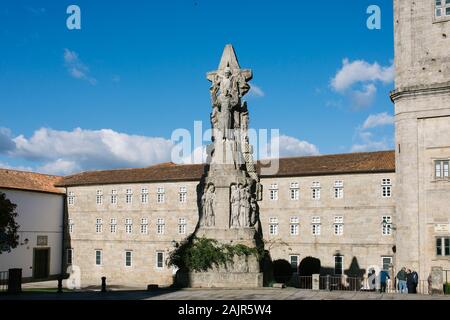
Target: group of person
406,281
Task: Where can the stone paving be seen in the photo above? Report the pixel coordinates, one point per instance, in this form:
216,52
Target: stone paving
219,294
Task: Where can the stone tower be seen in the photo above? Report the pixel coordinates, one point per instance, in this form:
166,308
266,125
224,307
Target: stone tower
422,129
230,189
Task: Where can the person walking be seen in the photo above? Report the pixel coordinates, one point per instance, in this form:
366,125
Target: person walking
401,277
384,276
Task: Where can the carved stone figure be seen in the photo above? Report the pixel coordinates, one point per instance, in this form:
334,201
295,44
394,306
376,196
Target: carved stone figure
244,207
253,211
208,200
235,199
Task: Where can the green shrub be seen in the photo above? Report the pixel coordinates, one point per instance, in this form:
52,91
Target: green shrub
202,254
447,288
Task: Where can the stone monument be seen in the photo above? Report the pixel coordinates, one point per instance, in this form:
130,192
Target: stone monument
230,188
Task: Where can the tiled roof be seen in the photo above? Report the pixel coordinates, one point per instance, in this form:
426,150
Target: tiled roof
369,162
31,181
364,162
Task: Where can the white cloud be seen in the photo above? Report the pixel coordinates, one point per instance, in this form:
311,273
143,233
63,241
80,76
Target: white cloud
377,120
66,152
371,146
287,147
366,140
364,98
76,68
256,91
59,167
63,152
290,146
358,80
361,71
197,156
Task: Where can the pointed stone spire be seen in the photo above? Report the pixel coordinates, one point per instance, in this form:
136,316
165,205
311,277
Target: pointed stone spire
229,59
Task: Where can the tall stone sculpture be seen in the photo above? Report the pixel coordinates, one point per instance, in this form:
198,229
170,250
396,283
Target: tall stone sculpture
230,187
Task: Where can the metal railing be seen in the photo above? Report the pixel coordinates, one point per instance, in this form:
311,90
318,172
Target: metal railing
4,275
305,282
330,283
340,283
344,283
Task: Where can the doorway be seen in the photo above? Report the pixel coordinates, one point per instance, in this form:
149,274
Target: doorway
41,263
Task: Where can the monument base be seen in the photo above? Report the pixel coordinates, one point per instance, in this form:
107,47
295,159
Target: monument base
211,279
242,272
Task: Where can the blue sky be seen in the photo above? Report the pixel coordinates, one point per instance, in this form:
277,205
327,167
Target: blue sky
111,94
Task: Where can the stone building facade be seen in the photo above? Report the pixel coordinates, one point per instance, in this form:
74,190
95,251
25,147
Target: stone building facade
339,209
40,216
422,122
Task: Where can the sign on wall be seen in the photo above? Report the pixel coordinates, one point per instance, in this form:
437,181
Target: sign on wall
442,228
42,240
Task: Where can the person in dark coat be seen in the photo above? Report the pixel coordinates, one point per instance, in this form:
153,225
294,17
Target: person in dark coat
415,277
409,281
384,276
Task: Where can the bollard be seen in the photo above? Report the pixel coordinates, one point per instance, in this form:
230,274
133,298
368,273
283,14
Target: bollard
103,284
60,280
14,280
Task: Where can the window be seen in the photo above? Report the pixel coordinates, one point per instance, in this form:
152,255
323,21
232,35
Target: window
386,263
442,7
160,226
128,258
160,259
182,226
338,226
70,225
144,195
98,225
128,225
441,169
71,198
273,192
98,257
160,195
183,195
443,246
294,262
144,226
438,5
339,189
295,192
99,197
338,265
69,256
113,196
129,196
315,189
315,226
387,226
386,188
294,226
273,226
113,225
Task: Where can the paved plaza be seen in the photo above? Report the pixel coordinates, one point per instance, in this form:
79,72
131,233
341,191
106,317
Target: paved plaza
268,294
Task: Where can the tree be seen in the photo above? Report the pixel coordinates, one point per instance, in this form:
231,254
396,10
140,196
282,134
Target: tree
9,239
